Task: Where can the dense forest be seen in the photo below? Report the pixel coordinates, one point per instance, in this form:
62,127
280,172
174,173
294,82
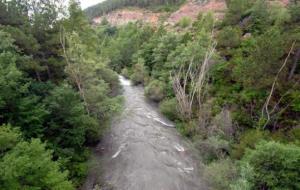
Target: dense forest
111,5
230,86
56,94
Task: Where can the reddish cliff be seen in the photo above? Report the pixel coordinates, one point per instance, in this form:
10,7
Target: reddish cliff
191,9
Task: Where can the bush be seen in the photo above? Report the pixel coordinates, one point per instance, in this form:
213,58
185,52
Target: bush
155,90
248,140
243,182
229,37
168,107
125,73
184,22
139,73
29,165
220,174
275,165
213,148
9,137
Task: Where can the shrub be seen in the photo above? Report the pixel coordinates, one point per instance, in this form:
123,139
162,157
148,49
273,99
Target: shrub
168,107
188,129
222,125
9,137
155,90
243,182
125,73
139,73
275,165
220,174
248,140
213,148
184,22
229,37
29,165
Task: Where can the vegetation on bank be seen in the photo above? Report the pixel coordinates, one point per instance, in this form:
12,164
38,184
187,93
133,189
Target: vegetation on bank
231,86
111,5
56,92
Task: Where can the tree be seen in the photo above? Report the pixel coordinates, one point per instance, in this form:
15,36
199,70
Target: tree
29,166
275,165
68,124
9,137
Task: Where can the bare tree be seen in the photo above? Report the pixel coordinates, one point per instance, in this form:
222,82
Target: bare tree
189,85
266,111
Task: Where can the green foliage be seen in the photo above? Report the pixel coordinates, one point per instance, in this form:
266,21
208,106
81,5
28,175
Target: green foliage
68,119
246,174
184,22
125,73
29,166
248,140
229,37
37,97
155,90
139,73
108,6
9,137
168,107
188,129
275,165
213,148
127,41
220,174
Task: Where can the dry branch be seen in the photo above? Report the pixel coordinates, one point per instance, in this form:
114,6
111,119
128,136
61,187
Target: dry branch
265,109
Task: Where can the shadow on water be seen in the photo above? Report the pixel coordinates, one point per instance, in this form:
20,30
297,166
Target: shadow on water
143,151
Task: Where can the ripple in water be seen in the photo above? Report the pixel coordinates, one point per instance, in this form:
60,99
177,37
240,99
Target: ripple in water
123,81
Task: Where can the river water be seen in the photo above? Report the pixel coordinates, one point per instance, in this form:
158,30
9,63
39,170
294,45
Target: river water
143,151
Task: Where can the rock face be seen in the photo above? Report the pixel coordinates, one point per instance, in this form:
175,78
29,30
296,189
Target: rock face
190,9
124,16
193,8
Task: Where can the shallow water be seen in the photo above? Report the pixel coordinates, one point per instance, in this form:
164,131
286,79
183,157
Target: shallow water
143,150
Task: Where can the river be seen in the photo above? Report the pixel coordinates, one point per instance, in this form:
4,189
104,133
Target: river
143,151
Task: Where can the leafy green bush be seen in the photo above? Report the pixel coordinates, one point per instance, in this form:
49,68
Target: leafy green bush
213,148
275,165
220,174
139,73
188,129
184,22
125,73
248,140
169,108
29,166
155,90
9,137
243,182
229,37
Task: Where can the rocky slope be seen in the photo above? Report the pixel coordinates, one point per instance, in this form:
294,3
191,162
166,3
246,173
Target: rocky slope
190,9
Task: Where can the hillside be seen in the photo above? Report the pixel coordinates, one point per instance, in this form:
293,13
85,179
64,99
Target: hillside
119,14
111,5
189,9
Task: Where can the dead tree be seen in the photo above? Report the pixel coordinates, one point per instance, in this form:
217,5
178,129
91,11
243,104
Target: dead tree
266,111
189,84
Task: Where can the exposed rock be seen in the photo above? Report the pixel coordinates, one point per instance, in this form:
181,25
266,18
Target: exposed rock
190,9
193,8
124,16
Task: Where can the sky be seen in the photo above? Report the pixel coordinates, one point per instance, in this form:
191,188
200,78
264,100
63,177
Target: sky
88,3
